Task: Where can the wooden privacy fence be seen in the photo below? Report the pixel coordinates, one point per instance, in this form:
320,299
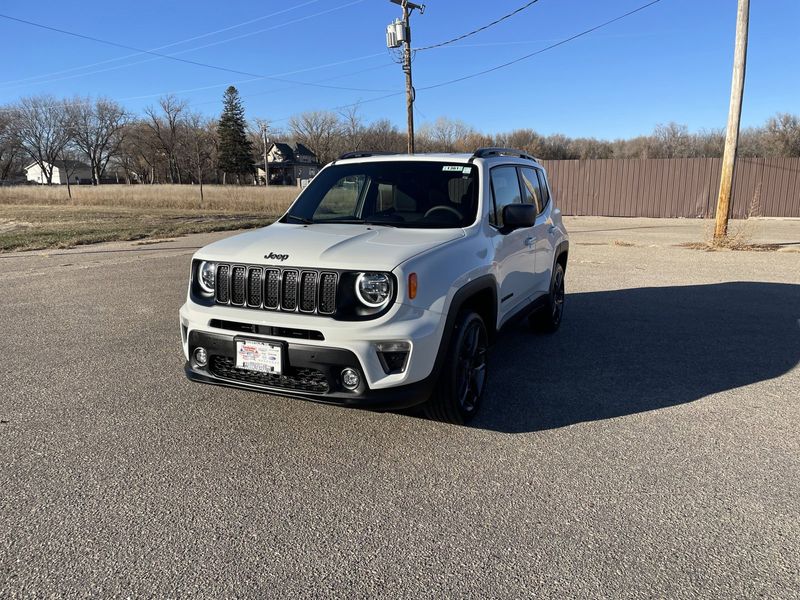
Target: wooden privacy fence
674,187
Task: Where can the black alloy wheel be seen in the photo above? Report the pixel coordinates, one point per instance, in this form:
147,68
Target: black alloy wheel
457,396
548,319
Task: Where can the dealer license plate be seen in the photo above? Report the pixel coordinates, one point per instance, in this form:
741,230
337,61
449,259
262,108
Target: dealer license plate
263,357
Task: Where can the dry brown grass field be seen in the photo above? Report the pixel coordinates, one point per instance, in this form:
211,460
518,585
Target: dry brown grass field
38,217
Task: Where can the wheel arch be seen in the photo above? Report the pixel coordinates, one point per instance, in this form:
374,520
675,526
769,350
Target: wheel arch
561,254
480,295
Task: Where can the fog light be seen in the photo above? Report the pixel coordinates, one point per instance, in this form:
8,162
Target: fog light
350,378
201,356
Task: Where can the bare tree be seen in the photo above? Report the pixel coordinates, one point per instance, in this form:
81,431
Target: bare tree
782,135
443,135
751,143
166,125
353,130
382,136
97,130
672,140
557,147
9,146
319,130
199,140
524,139
140,154
708,143
41,127
585,148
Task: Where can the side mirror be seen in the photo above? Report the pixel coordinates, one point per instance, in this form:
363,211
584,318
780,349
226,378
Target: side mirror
517,216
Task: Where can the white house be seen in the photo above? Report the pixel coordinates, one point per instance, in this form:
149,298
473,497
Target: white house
78,172
289,164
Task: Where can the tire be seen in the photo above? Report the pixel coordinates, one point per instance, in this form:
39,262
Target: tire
549,318
457,395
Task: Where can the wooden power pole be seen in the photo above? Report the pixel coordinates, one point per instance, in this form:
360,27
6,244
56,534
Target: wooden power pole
266,166
734,119
404,37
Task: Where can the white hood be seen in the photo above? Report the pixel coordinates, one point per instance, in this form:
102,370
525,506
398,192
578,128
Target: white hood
328,246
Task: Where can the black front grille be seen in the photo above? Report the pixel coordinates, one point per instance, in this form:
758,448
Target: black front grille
222,281
238,275
255,289
308,291
300,379
289,288
327,293
273,288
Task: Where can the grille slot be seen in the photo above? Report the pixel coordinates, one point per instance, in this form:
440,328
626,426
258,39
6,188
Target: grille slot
302,379
308,291
289,296
223,291
327,293
255,287
272,288
238,275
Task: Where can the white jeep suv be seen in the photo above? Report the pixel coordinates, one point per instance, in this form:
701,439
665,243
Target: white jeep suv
384,284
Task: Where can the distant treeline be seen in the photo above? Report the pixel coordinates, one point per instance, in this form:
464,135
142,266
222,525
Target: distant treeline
170,143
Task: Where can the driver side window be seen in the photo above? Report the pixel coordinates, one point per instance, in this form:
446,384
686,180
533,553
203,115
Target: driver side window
505,190
341,200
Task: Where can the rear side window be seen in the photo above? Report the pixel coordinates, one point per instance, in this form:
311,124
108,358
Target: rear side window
531,189
505,189
543,186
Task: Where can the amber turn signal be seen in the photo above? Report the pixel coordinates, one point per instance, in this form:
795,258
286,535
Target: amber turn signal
412,286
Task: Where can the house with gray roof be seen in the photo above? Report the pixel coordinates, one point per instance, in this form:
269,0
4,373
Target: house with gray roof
289,163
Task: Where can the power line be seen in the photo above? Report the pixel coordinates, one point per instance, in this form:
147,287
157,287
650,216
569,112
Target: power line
276,76
219,85
541,50
171,44
483,72
479,29
231,39
182,60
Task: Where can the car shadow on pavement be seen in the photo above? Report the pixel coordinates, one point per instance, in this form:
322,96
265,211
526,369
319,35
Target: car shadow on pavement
628,351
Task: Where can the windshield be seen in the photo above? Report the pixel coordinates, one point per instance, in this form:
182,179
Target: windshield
397,194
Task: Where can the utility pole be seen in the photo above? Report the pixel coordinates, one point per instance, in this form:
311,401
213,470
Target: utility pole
397,34
266,166
734,119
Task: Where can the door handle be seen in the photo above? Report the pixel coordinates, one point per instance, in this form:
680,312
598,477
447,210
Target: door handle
529,241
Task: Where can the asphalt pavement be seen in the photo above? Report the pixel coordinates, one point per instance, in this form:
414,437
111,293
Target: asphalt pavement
649,449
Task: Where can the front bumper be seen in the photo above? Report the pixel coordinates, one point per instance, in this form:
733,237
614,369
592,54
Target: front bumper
311,372
423,329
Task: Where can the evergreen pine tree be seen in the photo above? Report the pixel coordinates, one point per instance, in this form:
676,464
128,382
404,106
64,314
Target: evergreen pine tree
235,149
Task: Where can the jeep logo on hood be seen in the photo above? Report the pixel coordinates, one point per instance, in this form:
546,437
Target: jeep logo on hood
273,256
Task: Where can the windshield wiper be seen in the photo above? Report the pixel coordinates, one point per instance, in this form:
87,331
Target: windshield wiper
299,219
344,221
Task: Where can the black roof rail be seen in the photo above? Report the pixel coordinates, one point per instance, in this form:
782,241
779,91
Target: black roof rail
362,154
491,151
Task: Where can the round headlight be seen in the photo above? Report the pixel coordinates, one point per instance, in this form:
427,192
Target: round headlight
207,276
373,289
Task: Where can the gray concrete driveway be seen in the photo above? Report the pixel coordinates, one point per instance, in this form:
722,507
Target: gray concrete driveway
649,449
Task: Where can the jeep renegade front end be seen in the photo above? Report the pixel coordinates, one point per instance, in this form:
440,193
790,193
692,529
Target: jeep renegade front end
384,284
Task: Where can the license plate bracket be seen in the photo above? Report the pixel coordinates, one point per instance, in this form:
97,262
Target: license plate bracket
261,356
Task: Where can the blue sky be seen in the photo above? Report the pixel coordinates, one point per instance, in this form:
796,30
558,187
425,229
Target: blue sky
669,62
